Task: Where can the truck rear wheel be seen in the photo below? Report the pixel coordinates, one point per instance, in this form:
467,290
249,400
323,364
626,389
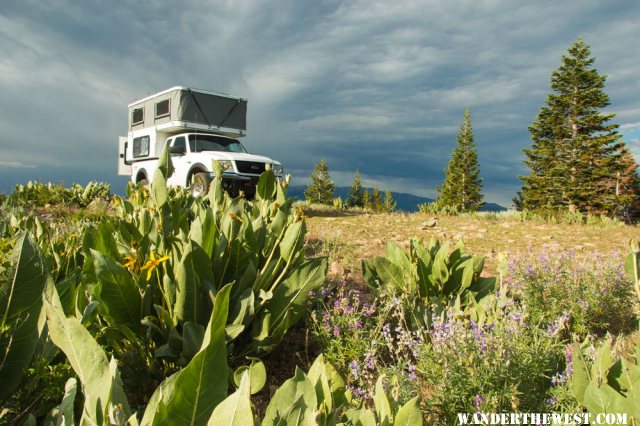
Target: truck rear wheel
200,183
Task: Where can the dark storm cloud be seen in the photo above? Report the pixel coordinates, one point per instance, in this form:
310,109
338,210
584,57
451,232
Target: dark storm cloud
373,85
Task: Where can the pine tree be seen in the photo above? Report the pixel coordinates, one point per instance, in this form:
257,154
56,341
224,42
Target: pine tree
366,199
389,204
576,155
321,188
627,186
356,197
462,184
376,200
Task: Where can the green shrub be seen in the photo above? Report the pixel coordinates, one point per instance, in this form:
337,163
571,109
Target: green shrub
594,295
37,194
435,208
364,340
430,279
504,364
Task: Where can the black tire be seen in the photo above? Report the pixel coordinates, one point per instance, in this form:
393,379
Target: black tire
200,183
142,182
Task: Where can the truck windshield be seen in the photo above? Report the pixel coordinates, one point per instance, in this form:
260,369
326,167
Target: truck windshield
199,143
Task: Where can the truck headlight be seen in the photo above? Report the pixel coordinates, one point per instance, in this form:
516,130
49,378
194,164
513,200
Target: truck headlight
226,165
278,170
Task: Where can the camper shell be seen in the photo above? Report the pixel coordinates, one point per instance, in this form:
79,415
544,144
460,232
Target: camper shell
159,119
183,108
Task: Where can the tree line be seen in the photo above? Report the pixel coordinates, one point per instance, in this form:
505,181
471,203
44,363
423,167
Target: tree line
321,188
577,160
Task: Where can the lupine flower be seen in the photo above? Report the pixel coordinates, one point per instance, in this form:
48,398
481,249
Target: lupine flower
478,400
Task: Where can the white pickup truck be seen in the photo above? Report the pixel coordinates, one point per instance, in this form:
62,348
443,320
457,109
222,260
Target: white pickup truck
199,127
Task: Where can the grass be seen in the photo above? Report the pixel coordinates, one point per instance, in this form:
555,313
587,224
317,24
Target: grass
347,237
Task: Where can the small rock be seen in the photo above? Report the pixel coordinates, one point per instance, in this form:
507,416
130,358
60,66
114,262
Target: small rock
430,223
336,269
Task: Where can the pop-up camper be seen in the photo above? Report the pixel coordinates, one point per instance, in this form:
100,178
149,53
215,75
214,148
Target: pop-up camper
199,126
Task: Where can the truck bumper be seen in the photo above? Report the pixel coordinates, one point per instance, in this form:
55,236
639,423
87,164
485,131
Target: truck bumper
234,184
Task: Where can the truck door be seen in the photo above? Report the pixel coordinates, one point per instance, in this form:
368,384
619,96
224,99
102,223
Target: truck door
123,168
180,159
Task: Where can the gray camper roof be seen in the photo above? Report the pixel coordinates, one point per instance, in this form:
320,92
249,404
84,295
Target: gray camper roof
191,106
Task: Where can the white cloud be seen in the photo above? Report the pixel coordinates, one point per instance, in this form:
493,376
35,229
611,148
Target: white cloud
16,164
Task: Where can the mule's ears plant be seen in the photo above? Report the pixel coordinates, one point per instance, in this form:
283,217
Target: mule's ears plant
163,257
20,307
632,266
429,276
611,384
319,398
104,396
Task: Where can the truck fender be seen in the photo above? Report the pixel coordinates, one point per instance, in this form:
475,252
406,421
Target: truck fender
196,168
142,174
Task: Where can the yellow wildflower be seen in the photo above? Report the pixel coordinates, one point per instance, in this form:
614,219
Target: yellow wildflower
152,264
235,217
132,262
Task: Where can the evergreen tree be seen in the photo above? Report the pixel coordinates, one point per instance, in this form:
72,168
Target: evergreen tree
462,184
376,200
627,186
356,197
389,204
366,199
576,155
321,188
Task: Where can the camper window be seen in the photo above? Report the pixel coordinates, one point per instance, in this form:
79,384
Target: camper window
141,147
137,116
162,108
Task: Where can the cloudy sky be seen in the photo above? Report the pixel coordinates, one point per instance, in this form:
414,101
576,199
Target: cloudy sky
378,86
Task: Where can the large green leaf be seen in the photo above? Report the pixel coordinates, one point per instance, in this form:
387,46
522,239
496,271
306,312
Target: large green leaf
159,191
190,298
20,306
461,277
381,403
199,387
409,414
118,291
439,269
102,390
266,188
292,241
62,415
290,298
100,239
361,417
257,374
581,374
203,231
600,399
390,274
294,400
236,409
329,386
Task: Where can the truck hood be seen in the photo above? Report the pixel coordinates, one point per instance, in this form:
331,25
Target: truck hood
208,156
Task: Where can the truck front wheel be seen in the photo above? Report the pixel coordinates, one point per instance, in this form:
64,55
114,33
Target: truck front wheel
200,183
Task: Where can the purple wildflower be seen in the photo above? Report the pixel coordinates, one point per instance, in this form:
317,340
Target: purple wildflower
477,400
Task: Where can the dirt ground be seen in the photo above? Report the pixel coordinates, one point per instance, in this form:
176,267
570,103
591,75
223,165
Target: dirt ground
347,237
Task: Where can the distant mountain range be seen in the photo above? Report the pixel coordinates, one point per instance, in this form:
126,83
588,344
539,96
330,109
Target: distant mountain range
406,202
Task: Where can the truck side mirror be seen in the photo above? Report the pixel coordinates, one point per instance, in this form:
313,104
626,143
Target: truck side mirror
178,150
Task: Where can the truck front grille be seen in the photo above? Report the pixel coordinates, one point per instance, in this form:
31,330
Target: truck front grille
251,167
